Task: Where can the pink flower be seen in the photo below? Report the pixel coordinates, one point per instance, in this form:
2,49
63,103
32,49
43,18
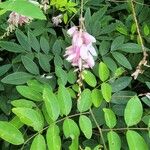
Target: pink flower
72,30
81,52
16,19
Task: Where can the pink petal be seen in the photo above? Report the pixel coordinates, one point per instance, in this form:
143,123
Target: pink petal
92,50
84,52
77,39
90,61
88,38
72,30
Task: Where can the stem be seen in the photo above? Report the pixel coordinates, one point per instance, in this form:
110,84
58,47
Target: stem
81,20
60,120
143,62
137,26
121,129
82,5
99,129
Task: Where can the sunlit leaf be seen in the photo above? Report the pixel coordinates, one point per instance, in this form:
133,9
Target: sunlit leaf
103,71
64,99
85,102
38,143
10,133
86,126
51,104
114,141
110,117
133,111
29,117
53,138
106,91
135,141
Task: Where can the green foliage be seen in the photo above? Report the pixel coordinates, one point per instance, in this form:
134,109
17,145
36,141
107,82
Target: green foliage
114,141
133,116
89,78
103,72
51,104
38,143
132,138
28,8
106,91
110,117
66,7
44,104
10,133
53,138
86,126
85,101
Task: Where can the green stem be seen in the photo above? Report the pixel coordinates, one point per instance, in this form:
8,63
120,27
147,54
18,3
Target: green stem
99,129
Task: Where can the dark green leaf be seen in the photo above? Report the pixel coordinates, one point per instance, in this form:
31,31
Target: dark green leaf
122,60
33,41
44,44
11,47
17,78
44,62
30,65
121,83
4,69
117,97
29,93
110,63
118,41
23,40
131,48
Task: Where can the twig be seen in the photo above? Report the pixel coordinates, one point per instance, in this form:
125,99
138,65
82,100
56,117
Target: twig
99,129
123,1
121,129
143,62
60,120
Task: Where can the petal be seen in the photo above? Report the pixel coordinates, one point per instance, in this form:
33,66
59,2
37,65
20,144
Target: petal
88,38
90,61
70,57
77,39
72,30
84,52
92,50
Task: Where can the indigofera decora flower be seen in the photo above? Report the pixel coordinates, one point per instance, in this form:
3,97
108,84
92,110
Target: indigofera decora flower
16,19
81,52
